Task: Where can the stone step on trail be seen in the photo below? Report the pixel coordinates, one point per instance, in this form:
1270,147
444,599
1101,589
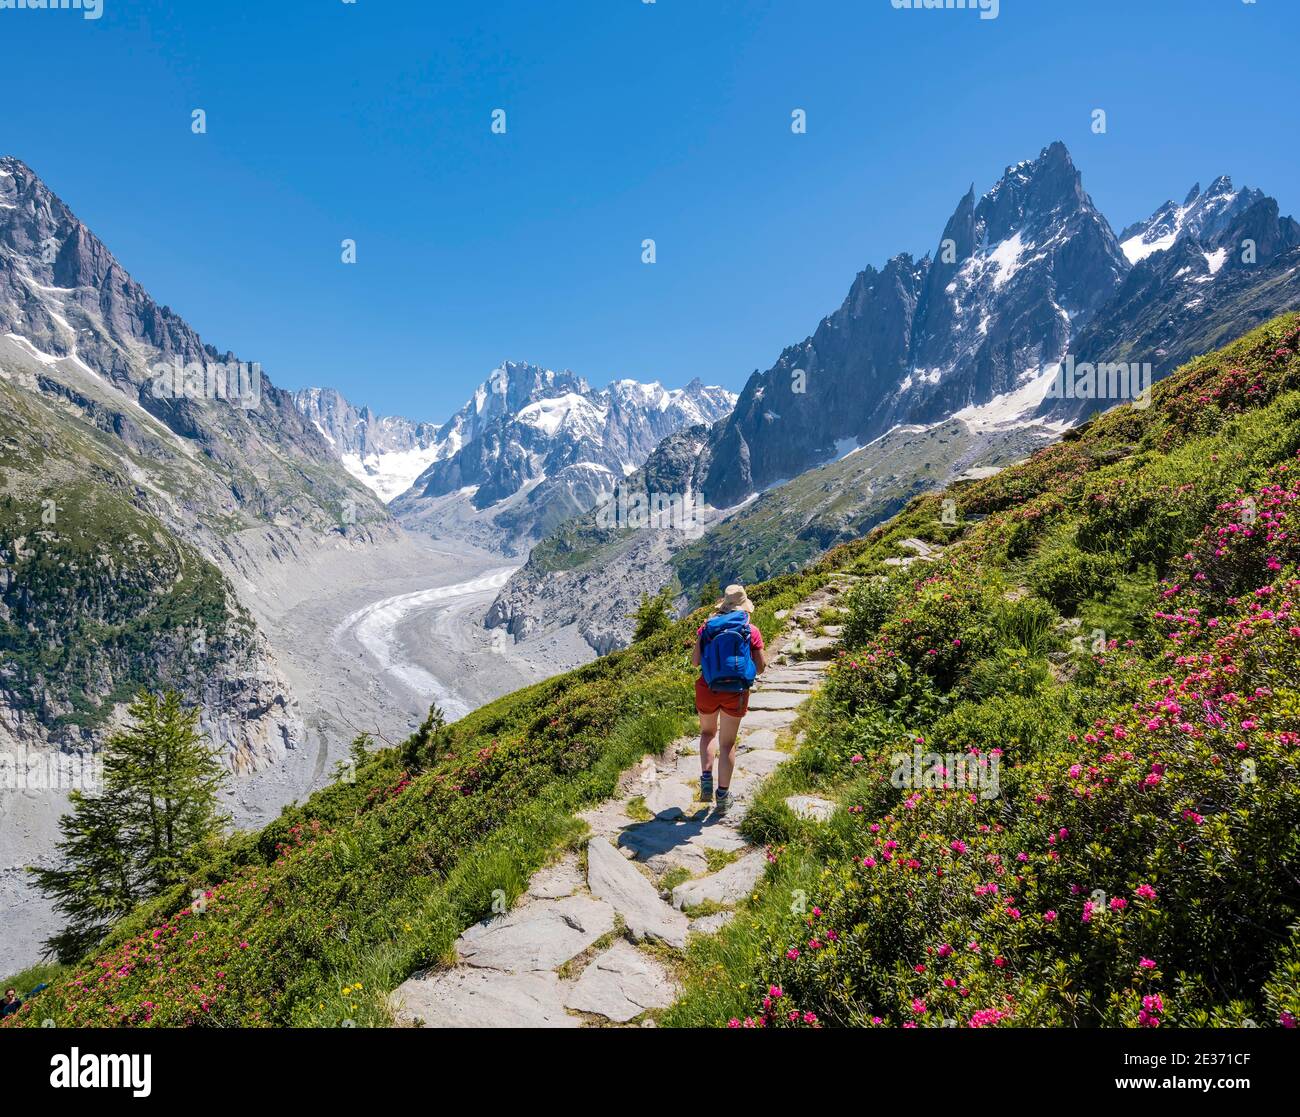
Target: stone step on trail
671,797
540,935
754,739
468,998
804,674
665,844
760,762
776,699
622,983
820,647
770,719
608,818
554,882
728,885
614,879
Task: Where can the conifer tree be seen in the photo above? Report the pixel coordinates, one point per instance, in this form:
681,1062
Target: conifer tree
710,593
652,615
98,883
421,748
137,836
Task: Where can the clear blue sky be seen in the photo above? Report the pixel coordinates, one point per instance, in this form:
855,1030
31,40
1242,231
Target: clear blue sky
626,120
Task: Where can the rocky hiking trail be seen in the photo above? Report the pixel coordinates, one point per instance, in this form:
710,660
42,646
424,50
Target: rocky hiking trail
595,939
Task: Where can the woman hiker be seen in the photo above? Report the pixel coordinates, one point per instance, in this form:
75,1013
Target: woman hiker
729,653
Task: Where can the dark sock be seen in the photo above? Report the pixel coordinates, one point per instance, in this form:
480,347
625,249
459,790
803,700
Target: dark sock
721,793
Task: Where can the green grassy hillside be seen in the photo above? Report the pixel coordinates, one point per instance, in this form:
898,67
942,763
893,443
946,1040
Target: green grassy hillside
1149,771
1066,755
311,920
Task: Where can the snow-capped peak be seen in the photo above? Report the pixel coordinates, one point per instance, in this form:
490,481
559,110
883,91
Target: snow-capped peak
572,412
522,424
1202,215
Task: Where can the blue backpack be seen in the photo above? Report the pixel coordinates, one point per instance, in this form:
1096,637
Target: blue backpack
726,660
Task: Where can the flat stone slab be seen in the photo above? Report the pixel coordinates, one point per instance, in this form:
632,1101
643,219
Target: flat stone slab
811,807
538,936
922,548
787,678
761,762
556,881
471,998
820,647
607,818
663,844
614,879
757,739
769,719
621,984
727,886
776,699
688,771
670,796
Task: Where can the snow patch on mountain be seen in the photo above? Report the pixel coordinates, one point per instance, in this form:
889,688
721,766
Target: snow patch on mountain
384,452
537,446
1201,215
569,411
1014,408
1007,258
390,473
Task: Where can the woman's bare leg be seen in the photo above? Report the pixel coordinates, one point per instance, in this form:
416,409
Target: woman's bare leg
708,742
727,749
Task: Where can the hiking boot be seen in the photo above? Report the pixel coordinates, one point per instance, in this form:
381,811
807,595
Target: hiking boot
706,788
726,800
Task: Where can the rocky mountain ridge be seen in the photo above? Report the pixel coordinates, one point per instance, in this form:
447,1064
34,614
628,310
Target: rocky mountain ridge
534,447
129,444
1025,278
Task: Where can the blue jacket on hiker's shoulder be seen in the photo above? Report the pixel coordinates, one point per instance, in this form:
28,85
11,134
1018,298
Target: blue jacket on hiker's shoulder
726,658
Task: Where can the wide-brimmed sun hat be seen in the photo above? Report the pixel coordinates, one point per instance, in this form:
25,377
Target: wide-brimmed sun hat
734,598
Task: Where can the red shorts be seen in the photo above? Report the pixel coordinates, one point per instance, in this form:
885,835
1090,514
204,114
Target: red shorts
732,702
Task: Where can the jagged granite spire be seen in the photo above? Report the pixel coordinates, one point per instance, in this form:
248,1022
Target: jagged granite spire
1015,272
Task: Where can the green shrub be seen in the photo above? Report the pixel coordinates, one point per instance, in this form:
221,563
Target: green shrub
1021,726
868,603
1065,575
